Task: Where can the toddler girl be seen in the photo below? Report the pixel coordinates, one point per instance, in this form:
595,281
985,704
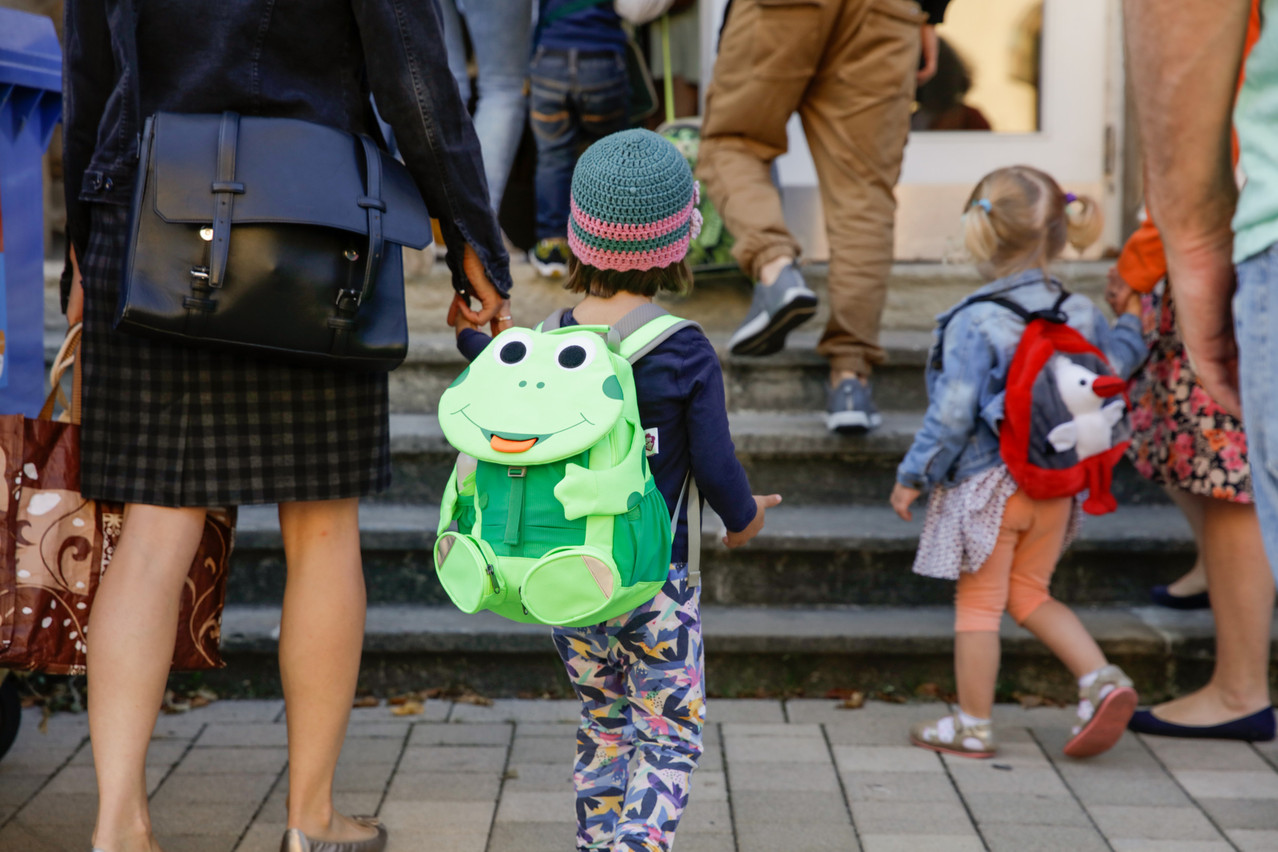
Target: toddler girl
640,676
981,529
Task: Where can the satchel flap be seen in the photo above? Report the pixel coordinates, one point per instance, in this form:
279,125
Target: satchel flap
293,171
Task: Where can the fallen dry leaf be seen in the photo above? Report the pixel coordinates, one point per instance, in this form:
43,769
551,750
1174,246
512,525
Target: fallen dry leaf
367,701
854,700
474,698
408,708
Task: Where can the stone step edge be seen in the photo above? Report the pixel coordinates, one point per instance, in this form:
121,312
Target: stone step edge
738,630
904,348
754,432
384,527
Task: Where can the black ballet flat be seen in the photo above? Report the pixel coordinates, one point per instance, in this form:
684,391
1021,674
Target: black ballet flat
1259,727
1162,597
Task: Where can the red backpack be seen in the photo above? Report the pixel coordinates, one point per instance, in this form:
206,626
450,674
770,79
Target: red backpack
1065,411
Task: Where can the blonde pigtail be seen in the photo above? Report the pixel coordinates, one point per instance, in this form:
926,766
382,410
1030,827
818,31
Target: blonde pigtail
1083,221
979,236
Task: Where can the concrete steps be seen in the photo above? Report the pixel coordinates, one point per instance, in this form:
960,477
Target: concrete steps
807,555
823,599
750,651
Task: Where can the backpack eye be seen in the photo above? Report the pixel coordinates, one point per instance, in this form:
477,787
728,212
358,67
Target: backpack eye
514,349
575,354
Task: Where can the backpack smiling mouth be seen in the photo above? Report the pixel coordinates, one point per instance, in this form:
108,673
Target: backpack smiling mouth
511,445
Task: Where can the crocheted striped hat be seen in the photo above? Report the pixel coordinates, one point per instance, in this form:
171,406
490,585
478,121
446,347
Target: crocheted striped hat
634,203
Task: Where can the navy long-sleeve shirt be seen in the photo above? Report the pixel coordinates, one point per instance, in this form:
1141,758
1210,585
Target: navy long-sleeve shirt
680,390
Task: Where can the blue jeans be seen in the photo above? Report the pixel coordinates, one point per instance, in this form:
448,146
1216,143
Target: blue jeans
500,32
1256,327
577,97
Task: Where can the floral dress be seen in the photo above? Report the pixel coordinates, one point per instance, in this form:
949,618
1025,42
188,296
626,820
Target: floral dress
1181,437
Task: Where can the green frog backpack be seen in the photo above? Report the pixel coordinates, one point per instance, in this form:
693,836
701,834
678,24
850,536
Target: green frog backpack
557,517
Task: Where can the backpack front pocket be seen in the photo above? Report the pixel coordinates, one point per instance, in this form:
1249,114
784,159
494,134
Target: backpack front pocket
571,585
467,570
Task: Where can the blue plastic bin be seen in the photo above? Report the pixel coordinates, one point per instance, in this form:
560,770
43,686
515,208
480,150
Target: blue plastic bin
30,107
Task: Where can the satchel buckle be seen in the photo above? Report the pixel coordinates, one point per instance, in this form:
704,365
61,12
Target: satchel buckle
348,300
200,273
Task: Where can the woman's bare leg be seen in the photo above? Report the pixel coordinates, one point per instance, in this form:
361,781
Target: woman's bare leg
134,623
1194,581
321,637
1242,602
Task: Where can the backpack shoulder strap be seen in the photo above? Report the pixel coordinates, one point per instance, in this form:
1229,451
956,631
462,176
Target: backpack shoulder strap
1054,314
647,327
553,322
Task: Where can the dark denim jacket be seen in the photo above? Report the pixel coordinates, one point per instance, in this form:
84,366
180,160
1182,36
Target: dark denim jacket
317,60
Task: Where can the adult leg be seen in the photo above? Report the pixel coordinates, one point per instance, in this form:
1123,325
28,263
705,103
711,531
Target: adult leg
1242,603
455,44
1194,581
500,31
135,616
667,696
605,737
321,637
767,56
856,117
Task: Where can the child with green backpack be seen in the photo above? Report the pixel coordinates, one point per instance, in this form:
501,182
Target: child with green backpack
639,675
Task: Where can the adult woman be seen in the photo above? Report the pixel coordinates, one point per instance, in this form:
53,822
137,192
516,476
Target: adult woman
1198,453
170,430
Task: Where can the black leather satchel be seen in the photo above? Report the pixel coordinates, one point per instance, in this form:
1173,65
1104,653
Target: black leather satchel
272,237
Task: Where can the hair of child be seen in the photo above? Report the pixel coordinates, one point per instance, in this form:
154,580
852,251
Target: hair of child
603,283
1018,218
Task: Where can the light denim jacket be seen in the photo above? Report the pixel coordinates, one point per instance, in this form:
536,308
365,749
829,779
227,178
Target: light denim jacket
959,437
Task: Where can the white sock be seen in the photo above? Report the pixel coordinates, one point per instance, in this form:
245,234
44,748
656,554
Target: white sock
971,721
1089,678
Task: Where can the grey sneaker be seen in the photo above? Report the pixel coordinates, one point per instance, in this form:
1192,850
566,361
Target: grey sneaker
775,312
850,408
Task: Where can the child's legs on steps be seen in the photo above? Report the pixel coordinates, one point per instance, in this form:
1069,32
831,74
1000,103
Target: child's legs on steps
667,698
605,738
1016,576
1030,602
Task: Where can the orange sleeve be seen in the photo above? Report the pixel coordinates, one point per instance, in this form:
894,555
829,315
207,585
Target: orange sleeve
1142,263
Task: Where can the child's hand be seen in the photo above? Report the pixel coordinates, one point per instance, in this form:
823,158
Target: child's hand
1121,298
736,539
902,498
457,317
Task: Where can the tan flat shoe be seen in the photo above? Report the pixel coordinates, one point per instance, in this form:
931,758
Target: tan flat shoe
296,841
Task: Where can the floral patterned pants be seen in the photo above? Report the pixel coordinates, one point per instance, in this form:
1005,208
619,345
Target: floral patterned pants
640,681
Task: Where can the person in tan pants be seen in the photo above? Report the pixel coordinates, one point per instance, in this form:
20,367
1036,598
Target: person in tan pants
849,68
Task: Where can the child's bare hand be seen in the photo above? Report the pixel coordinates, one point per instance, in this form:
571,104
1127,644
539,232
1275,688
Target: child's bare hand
457,317
1121,298
736,539
902,498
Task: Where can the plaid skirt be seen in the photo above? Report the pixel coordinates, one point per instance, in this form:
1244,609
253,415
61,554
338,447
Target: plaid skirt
169,425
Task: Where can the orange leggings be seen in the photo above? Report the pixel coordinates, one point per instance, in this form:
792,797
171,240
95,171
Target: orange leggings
1017,574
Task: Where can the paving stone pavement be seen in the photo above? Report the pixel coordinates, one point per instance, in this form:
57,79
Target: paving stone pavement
799,776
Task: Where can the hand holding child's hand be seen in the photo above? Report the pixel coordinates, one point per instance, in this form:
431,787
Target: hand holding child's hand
1121,298
902,498
736,539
